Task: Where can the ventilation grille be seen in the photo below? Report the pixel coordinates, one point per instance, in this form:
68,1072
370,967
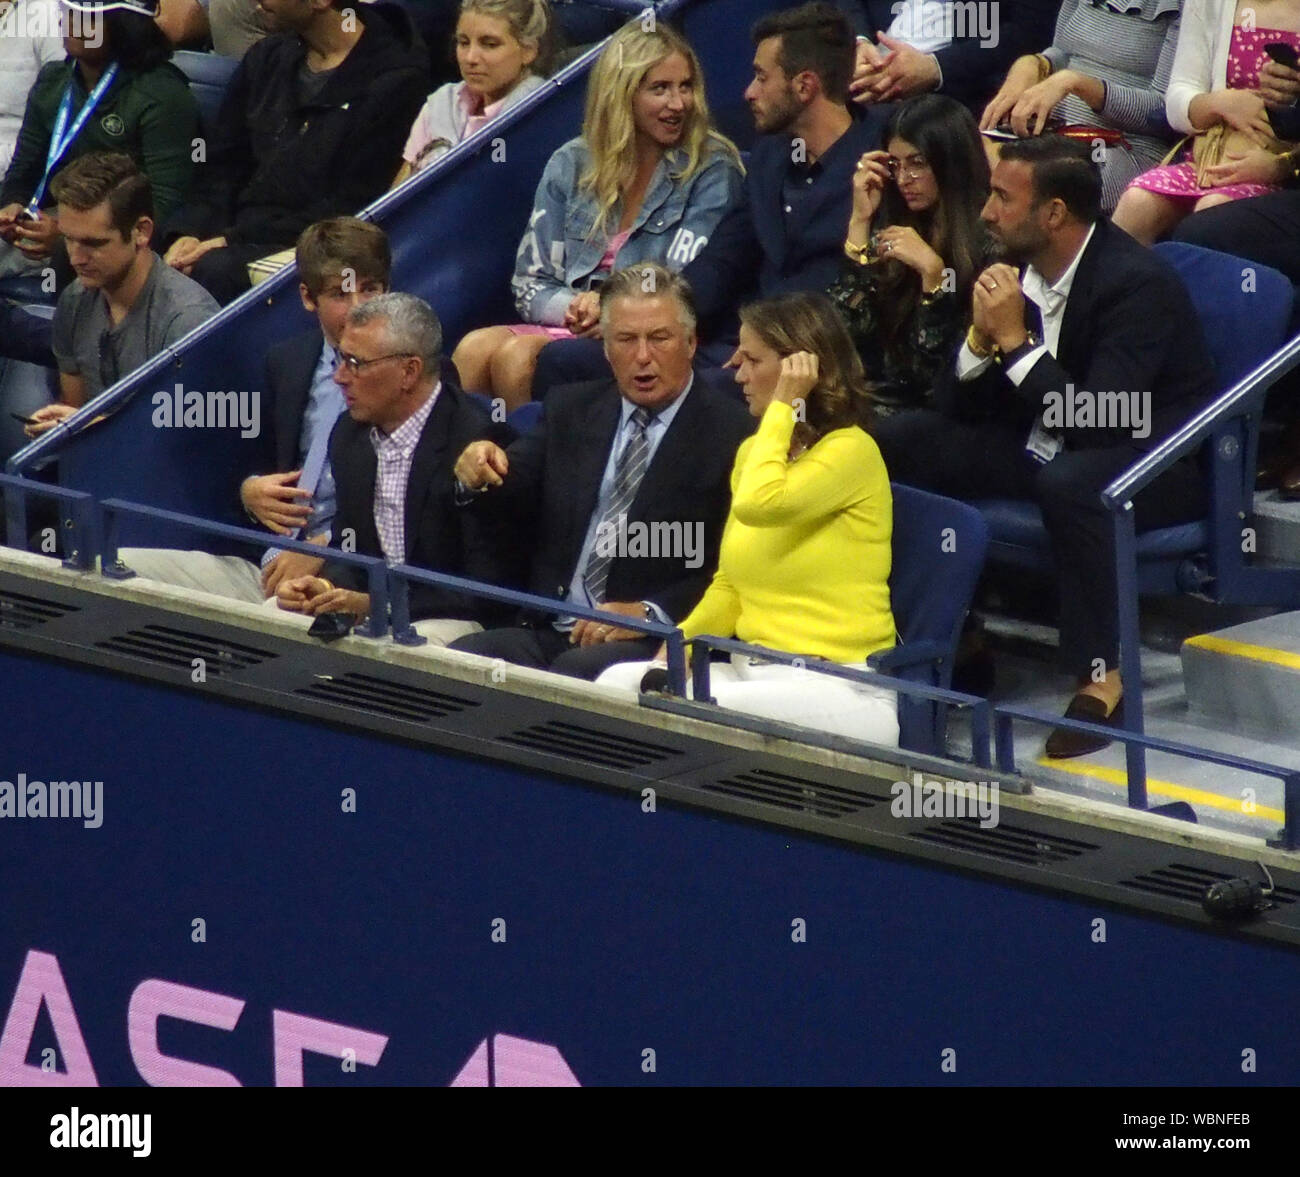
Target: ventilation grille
178,647
793,794
588,745
361,692
1180,881
1009,843
22,612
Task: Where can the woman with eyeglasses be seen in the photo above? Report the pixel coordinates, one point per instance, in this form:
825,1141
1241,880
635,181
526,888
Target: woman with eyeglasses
503,51
806,550
648,181
915,245
116,91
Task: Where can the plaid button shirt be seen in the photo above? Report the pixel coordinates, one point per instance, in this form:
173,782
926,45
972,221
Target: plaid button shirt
394,452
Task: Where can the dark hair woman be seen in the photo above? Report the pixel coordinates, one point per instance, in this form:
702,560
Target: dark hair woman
914,247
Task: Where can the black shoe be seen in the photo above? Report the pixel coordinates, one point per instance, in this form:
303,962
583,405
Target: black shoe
1065,743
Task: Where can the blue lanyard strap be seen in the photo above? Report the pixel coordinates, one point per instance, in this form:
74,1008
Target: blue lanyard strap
59,141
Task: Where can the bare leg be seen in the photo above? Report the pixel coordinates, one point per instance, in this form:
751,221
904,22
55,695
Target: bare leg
513,366
1146,216
473,357
1211,201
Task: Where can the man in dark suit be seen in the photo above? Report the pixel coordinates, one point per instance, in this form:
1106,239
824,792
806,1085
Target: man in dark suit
625,482
788,232
392,456
1072,370
962,50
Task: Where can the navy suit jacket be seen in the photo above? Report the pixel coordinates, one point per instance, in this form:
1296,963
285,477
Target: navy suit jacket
972,72
554,483
439,535
757,251
1129,326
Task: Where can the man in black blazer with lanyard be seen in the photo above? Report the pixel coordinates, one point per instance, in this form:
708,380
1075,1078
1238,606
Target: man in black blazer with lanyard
392,454
974,45
1071,371
626,483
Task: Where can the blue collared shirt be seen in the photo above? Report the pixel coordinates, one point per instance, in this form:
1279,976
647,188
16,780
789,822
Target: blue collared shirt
655,432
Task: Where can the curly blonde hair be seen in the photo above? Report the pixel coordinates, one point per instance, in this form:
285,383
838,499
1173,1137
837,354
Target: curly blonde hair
608,127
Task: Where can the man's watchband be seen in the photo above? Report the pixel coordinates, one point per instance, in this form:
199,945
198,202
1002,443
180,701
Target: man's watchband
1008,358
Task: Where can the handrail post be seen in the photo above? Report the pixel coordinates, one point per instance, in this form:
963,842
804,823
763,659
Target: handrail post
404,633
1130,650
1290,832
110,563
80,549
677,663
700,673
376,624
16,517
979,734
1004,736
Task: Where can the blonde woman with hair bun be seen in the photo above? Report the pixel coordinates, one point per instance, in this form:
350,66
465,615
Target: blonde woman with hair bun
503,49
648,180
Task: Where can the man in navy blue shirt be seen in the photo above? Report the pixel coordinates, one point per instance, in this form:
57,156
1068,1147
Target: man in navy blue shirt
788,233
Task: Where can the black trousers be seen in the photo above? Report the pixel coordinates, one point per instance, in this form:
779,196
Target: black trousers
544,648
223,273
988,460
1263,229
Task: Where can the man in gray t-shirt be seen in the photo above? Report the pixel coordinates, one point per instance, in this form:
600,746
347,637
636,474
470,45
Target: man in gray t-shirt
126,305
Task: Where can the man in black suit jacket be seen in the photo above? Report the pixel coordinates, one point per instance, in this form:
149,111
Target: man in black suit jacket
787,234
1071,371
625,483
392,456
969,68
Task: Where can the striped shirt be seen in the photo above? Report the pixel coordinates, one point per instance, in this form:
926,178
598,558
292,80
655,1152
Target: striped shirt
395,452
1129,45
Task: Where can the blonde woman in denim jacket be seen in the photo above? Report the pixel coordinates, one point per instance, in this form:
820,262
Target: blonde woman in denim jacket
649,180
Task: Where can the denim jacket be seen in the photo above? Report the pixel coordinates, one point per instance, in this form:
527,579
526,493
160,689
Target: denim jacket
556,259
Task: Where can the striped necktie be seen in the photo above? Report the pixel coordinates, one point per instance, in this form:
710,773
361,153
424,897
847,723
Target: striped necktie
628,472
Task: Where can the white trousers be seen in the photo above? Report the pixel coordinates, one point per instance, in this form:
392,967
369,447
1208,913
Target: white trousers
790,694
241,580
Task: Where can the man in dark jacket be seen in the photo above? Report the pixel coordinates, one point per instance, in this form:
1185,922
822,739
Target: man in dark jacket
625,483
312,126
1073,369
392,454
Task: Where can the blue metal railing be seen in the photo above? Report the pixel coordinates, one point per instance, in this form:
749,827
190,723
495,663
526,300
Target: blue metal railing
79,520
1118,498
97,524
980,709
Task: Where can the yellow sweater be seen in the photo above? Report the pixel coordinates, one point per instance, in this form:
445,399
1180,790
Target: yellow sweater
804,566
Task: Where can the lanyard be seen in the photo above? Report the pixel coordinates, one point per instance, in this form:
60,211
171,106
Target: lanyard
59,141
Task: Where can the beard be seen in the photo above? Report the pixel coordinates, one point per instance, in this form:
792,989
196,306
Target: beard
780,116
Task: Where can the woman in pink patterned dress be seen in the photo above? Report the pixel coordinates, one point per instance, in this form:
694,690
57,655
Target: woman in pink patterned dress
1215,81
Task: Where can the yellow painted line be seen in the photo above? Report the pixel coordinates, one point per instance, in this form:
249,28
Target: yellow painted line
1207,641
1115,776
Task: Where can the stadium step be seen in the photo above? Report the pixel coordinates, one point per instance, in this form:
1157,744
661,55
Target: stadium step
1277,527
1247,677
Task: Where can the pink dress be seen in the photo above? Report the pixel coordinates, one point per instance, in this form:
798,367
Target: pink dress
1246,57
606,266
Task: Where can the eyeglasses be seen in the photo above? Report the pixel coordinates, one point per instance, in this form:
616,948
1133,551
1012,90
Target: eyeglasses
109,364
913,169
354,365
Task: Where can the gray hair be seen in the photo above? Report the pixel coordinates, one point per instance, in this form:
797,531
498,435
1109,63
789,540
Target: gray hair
649,280
412,327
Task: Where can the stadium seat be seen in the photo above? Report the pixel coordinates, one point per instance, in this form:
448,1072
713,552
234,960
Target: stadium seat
1245,322
938,554
209,74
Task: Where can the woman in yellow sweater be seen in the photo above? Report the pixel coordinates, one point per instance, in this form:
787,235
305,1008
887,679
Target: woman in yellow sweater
804,565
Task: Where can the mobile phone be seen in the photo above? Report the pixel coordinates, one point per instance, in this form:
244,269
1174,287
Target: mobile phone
24,420
331,626
1283,54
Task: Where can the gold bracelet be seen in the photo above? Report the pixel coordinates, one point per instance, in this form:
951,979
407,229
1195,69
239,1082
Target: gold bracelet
972,342
859,253
1044,67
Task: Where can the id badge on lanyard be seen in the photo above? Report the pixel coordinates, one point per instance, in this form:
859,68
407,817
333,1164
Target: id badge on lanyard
63,136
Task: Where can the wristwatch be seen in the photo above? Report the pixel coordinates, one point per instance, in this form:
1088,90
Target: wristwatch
1008,358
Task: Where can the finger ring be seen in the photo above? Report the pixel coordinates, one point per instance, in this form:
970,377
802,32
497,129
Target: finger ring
993,285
